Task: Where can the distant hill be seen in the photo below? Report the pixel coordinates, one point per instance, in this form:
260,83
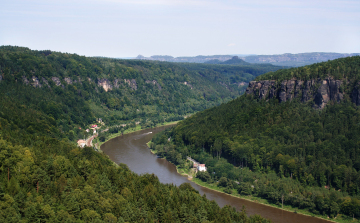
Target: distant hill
233,61
296,60
287,59
197,59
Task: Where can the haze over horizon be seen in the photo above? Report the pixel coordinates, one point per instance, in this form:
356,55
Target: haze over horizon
127,28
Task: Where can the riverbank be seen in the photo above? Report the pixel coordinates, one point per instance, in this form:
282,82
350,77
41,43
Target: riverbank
191,176
267,203
131,130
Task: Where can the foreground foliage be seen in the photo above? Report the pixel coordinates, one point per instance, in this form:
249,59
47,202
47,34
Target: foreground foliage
67,184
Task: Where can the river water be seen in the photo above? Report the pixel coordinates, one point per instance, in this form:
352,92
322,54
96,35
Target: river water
132,150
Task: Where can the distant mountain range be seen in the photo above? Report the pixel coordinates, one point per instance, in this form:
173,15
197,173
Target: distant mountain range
287,59
197,59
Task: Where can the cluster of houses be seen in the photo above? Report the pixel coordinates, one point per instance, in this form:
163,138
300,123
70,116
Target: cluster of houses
82,142
93,128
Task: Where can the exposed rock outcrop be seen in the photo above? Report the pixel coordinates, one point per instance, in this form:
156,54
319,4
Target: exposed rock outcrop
45,82
186,83
117,83
68,80
261,88
131,83
36,82
56,81
106,84
355,95
320,91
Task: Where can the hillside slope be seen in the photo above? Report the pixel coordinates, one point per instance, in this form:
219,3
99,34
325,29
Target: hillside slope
124,90
277,131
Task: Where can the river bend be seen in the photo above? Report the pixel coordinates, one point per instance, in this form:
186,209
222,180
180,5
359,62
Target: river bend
131,149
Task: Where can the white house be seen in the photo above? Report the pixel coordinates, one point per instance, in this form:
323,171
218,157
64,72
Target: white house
201,167
81,143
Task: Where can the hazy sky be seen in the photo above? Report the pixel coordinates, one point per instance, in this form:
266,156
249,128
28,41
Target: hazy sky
126,28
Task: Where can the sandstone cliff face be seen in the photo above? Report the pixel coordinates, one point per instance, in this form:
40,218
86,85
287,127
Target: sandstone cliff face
45,82
68,80
131,83
320,91
355,95
35,82
106,84
56,81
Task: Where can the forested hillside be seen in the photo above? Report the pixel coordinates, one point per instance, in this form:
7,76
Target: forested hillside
117,91
282,148
46,100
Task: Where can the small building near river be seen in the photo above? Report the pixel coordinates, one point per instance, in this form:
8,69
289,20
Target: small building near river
199,167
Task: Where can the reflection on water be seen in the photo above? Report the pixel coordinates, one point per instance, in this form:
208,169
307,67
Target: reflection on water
132,150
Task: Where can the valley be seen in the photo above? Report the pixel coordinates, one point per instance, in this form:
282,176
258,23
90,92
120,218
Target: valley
265,133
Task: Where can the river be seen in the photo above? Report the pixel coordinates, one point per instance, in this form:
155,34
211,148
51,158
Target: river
132,150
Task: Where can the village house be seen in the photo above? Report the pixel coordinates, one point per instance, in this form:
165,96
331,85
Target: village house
81,143
199,167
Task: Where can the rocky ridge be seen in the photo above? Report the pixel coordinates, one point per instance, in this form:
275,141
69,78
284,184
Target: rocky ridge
320,91
106,84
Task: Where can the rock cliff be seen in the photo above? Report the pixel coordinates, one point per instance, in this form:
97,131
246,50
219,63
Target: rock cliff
320,91
106,84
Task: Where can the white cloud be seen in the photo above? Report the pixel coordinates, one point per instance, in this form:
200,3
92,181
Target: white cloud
231,44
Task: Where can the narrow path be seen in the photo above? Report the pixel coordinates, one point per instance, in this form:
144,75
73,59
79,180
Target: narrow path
89,140
192,160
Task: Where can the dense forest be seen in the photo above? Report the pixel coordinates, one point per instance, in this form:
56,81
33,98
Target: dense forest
115,90
44,177
290,152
